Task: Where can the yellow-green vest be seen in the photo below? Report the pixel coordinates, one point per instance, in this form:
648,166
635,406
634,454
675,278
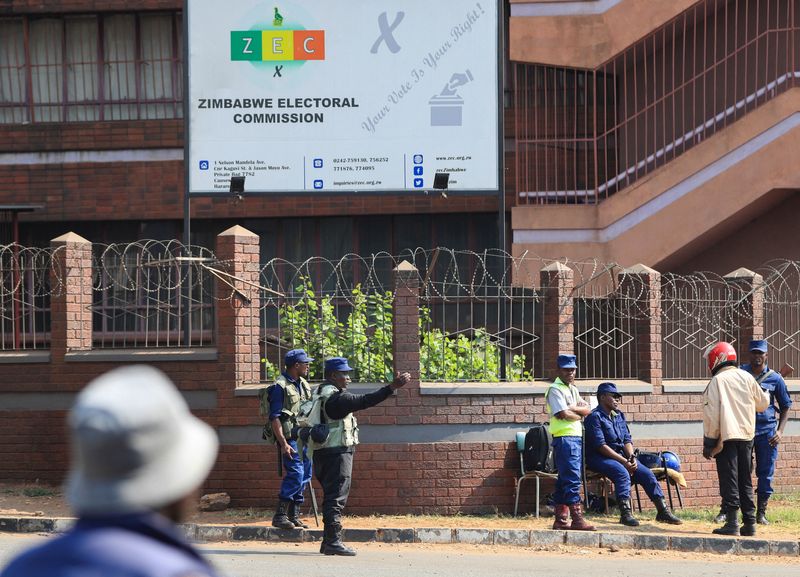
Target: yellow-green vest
561,427
343,432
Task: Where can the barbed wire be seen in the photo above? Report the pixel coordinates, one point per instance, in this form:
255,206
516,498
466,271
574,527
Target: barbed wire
442,274
150,266
27,270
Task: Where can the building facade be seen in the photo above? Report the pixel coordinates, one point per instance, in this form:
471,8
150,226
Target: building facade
637,132
655,132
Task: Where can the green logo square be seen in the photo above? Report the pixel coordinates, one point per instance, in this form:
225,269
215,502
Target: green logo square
246,45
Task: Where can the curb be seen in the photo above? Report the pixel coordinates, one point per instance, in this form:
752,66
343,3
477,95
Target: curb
540,538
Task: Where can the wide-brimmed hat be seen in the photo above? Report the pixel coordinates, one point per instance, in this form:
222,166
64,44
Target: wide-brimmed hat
135,445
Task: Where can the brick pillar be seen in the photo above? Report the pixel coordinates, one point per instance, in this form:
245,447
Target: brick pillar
558,332
751,305
71,298
238,303
405,329
640,286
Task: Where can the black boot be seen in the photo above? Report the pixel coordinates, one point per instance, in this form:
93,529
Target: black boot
664,514
332,542
291,513
761,512
328,536
720,518
625,515
731,526
281,519
748,529
748,522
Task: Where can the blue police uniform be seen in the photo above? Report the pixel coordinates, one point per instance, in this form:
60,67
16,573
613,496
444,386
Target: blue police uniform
567,437
611,429
766,426
133,545
297,467
567,448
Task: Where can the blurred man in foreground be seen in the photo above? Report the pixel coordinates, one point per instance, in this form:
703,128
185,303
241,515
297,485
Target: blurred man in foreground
138,458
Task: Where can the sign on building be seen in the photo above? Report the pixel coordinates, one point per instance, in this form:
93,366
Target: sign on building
321,96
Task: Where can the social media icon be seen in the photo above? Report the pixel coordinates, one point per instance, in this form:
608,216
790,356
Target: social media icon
317,163
417,183
417,159
203,165
317,184
417,171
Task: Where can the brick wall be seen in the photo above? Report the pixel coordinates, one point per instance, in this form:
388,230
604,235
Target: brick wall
10,7
132,190
445,477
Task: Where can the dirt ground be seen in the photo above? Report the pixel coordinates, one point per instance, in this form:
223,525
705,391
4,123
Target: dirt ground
38,500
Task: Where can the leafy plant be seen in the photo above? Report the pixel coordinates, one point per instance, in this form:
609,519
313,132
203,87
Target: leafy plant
311,324
365,338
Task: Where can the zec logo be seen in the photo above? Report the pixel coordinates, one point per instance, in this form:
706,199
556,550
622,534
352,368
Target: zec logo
277,44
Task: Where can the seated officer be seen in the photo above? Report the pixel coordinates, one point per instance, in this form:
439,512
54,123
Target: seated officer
609,451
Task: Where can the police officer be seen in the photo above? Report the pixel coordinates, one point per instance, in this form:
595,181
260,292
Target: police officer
333,461
567,408
769,429
138,456
609,451
285,396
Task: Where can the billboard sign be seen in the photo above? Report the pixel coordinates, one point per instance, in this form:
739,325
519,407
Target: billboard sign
352,96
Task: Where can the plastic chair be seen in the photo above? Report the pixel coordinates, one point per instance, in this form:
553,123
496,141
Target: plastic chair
525,475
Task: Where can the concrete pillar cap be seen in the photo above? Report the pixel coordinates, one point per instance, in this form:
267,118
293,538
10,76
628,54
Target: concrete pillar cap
639,269
741,273
237,230
405,266
70,237
556,267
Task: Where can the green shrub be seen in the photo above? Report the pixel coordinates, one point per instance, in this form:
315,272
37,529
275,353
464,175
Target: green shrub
365,338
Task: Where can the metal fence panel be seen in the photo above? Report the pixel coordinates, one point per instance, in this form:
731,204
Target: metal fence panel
25,292
582,135
152,294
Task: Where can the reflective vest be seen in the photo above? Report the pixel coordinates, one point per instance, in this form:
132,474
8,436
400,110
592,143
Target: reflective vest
343,432
561,427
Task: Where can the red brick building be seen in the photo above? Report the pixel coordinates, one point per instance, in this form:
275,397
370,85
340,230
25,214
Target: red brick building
613,135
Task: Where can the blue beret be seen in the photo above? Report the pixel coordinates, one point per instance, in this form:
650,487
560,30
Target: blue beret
567,362
296,356
604,388
758,345
337,364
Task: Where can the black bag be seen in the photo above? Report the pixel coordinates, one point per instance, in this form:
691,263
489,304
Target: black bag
538,452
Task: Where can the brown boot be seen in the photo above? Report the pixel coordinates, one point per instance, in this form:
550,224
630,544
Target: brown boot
578,522
561,513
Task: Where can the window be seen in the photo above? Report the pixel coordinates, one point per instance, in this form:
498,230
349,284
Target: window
91,67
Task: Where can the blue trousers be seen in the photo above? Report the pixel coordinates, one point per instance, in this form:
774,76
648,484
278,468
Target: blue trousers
567,453
622,479
297,472
766,456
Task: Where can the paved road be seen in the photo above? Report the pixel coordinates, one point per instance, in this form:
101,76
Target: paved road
381,560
